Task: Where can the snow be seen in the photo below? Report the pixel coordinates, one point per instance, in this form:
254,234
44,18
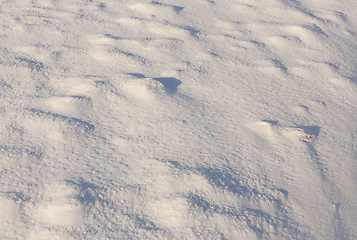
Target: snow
178,119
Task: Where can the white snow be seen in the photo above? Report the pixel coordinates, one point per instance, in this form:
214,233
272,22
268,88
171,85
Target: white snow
136,119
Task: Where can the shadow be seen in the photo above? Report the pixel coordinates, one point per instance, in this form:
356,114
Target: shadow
272,122
255,219
87,191
314,28
304,107
176,164
313,130
83,98
170,84
294,4
128,54
284,192
18,197
259,44
4,84
192,31
340,232
353,79
112,37
137,75
32,64
175,8
22,152
280,65
102,6
74,122
224,180
198,202
33,152
89,194
145,224
342,16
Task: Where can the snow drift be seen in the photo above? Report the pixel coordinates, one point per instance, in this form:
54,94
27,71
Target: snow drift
178,119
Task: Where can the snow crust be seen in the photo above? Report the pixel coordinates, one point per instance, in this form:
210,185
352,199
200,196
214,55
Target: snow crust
133,119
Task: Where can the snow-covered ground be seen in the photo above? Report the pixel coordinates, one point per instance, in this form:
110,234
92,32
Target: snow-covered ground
178,119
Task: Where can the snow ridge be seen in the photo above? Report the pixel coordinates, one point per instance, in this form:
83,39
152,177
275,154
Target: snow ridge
178,119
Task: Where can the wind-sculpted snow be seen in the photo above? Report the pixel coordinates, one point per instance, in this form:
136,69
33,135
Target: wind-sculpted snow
178,119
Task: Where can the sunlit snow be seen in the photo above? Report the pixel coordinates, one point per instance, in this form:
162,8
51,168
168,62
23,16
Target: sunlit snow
135,119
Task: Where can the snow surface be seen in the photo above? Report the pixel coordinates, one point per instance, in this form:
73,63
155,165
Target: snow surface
224,119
